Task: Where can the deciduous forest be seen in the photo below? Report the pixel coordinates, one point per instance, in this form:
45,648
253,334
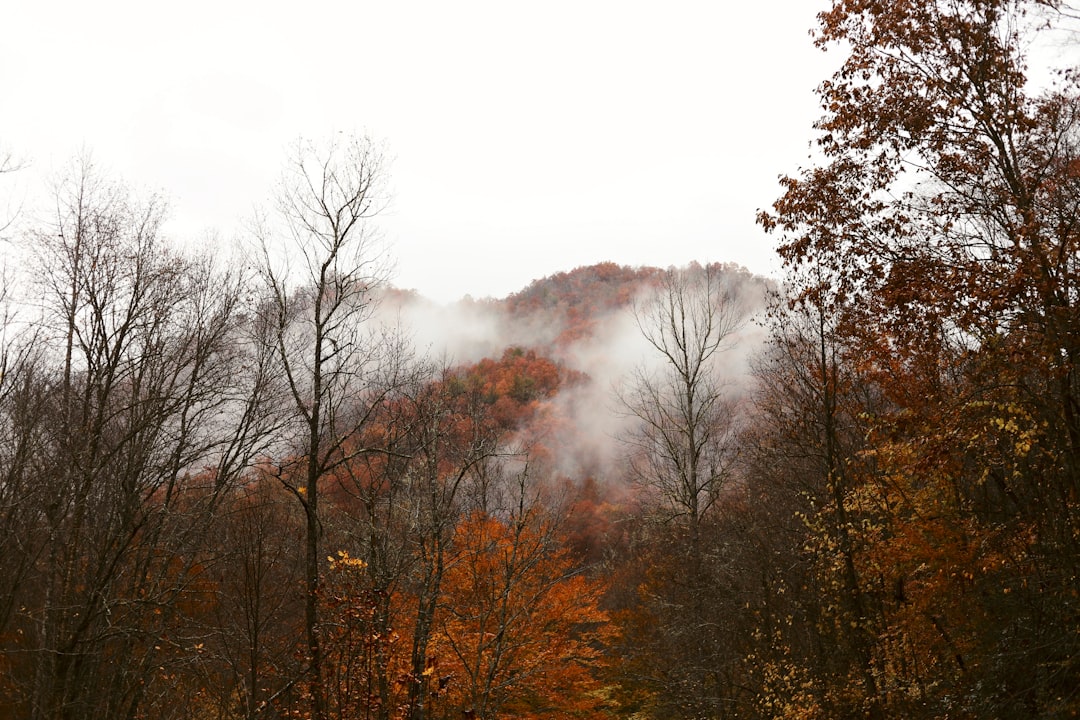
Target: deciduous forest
250,485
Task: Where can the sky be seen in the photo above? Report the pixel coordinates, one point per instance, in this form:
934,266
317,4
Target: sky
523,139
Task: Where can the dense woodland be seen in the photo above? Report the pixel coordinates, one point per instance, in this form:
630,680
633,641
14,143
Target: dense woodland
229,488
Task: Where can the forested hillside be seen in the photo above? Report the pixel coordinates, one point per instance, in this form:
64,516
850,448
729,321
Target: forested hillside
273,485
229,490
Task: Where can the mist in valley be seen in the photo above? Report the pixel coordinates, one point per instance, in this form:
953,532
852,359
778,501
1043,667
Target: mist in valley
607,347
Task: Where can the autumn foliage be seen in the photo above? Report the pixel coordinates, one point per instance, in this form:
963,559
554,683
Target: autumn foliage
233,497
578,299
935,248
521,628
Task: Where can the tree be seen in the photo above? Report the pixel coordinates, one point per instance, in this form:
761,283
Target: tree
8,164
248,659
942,218
520,627
111,416
681,446
401,506
815,622
317,319
682,452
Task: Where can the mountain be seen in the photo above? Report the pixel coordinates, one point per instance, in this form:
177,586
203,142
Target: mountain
583,321
577,316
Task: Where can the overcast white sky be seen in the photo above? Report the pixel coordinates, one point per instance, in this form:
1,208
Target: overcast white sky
525,138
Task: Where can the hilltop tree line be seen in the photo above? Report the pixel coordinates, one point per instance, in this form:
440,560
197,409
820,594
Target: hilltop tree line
228,491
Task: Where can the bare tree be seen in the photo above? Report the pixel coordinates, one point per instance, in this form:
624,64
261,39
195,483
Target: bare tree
317,317
8,164
250,662
111,425
682,451
681,446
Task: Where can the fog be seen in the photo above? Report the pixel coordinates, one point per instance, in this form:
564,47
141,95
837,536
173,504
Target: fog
588,417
